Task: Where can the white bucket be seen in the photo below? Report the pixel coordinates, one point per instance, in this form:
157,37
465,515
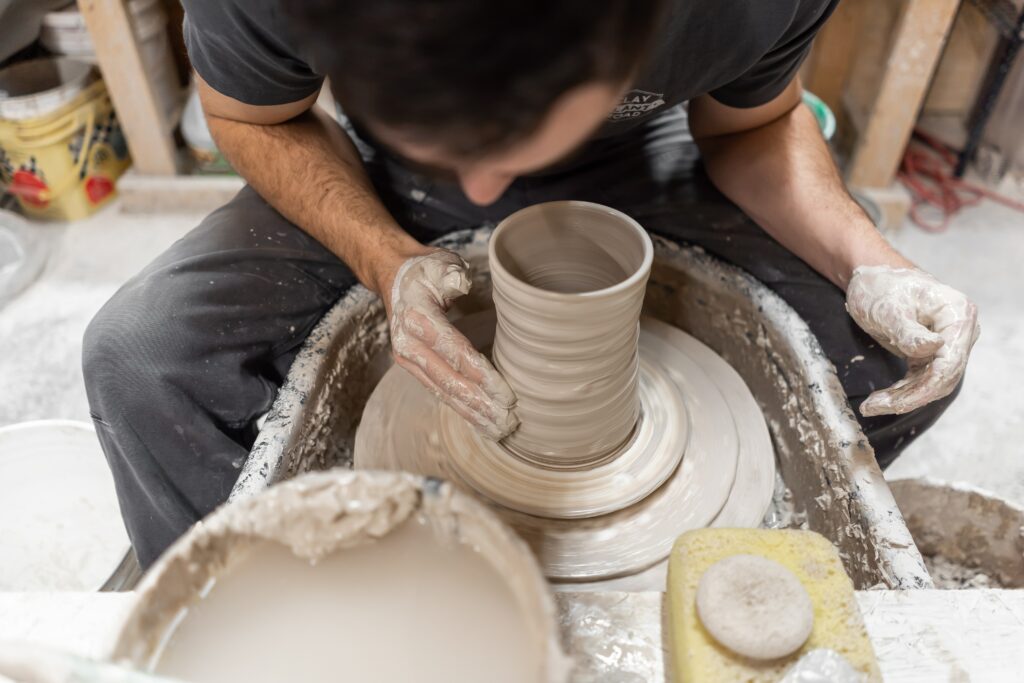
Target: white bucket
38,87
64,32
23,252
327,518
60,525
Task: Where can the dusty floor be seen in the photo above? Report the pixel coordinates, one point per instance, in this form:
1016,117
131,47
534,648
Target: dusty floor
979,441
41,329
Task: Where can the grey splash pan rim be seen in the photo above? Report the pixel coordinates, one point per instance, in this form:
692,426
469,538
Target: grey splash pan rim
823,455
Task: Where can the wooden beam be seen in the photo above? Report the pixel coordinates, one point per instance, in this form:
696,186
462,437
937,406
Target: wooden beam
921,32
835,47
138,110
874,45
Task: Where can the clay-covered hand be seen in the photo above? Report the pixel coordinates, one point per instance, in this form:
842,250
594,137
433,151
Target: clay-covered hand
426,344
913,315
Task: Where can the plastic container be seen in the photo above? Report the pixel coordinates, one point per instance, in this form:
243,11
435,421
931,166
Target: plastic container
23,253
328,514
821,111
64,33
966,526
38,87
60,525
61,147
198,138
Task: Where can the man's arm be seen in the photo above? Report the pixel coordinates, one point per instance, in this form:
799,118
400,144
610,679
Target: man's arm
305,166
772,161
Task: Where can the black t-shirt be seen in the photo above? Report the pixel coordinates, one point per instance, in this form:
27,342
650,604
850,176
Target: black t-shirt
741,52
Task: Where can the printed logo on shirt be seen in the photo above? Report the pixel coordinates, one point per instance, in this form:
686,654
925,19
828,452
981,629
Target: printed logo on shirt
636,103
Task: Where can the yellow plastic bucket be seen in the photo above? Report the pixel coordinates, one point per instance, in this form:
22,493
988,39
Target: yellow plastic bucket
61,149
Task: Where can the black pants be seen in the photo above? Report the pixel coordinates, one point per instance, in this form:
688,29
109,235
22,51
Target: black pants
186,355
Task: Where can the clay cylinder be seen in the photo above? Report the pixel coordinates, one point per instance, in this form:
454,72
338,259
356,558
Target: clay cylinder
569,280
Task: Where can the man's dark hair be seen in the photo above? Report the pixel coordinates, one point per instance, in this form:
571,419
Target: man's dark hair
470,75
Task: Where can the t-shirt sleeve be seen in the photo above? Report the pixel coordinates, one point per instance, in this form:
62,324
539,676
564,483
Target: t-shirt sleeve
244,52
767,78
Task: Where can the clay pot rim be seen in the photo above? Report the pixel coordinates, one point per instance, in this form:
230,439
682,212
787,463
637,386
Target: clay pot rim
639,276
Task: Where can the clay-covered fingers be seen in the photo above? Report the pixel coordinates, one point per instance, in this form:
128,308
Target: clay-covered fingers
891,319
464,377
446,341
466,398
932,377
917,317
919,387
470,410
426,344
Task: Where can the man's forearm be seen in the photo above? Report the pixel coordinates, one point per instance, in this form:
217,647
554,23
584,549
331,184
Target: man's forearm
782,175
309,170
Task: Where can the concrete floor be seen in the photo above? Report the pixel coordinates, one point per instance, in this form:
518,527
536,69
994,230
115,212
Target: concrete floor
41,329
979,440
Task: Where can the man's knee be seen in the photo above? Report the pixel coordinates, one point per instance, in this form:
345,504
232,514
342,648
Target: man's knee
136,371
118,351
103,357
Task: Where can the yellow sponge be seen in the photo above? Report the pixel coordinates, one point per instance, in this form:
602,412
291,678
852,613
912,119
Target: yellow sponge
697,658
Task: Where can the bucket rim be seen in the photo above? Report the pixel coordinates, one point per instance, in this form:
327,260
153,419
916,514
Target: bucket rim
95,94
75,75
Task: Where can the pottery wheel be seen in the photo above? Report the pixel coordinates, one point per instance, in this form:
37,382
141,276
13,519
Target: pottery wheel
699,456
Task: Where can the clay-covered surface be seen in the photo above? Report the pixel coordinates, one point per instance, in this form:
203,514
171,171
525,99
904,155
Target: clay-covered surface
972,538
823,456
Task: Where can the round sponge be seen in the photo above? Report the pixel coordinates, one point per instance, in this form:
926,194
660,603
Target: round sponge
755,607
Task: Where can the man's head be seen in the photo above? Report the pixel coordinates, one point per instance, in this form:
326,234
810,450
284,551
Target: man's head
485,89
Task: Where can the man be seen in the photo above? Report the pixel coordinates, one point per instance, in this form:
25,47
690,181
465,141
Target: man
462,112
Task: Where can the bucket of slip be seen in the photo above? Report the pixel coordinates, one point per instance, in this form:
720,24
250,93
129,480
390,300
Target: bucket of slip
323,522
60,526
61,147
569,279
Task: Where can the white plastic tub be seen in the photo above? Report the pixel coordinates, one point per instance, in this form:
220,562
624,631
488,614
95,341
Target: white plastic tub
64,33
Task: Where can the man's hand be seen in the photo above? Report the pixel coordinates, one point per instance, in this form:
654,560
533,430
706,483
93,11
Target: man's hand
319,183
772,161
426,344
914,316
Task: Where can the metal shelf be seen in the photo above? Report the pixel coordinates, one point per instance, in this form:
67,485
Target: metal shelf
1009,21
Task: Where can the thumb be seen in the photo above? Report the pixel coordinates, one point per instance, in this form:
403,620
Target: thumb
455,282
448,274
